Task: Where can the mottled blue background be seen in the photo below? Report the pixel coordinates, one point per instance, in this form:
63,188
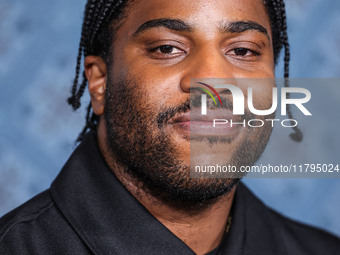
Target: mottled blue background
38,46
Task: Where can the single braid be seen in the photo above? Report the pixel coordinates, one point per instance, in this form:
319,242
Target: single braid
76,94
297,136
72,99
91,122
82,87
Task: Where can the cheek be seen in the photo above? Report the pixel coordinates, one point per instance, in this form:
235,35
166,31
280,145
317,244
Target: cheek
260,92
263,100
159,87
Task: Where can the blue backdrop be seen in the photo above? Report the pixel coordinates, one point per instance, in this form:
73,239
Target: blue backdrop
38,46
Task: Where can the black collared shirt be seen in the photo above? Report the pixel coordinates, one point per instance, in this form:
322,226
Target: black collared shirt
88,211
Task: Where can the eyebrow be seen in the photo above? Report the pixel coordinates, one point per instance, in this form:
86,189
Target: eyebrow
242,26
180,25
173,24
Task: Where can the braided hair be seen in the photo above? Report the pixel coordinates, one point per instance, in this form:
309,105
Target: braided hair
278,19
101,21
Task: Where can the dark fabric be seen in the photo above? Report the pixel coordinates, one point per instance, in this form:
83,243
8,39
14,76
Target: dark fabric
88,211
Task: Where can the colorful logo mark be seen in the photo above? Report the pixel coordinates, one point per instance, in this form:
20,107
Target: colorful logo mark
209,93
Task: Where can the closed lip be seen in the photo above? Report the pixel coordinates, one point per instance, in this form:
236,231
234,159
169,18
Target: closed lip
194,123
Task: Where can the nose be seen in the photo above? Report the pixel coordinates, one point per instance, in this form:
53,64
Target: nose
206,63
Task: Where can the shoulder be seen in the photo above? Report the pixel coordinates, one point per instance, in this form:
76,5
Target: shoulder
300,238
35,209
294,237
36,227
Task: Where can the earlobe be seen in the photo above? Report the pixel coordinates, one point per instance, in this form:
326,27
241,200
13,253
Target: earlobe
96,74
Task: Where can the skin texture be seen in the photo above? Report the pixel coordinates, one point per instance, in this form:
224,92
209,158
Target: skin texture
159,79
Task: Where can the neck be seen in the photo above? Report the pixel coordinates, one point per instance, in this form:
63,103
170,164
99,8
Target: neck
201,227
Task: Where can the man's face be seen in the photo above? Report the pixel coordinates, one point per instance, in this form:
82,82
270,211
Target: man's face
160,46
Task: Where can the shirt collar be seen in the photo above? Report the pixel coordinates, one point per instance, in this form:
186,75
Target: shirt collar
253,229
103,213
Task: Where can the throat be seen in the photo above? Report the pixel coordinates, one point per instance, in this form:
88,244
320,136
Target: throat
200,226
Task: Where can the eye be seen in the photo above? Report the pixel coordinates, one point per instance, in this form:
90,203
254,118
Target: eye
167,49
167,52
243,53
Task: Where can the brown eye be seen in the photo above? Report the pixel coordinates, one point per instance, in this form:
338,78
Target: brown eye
166,49
244,52
241,51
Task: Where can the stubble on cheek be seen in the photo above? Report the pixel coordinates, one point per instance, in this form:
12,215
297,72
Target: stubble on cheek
153,155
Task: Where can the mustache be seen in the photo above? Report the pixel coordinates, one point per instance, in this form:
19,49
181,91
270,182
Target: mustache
165,115
193,102
227,104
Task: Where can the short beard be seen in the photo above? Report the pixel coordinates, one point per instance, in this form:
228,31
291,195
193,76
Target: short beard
135,137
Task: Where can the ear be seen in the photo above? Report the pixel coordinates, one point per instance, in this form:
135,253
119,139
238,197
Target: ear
96,74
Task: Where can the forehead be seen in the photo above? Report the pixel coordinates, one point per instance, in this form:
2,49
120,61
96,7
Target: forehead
203,15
